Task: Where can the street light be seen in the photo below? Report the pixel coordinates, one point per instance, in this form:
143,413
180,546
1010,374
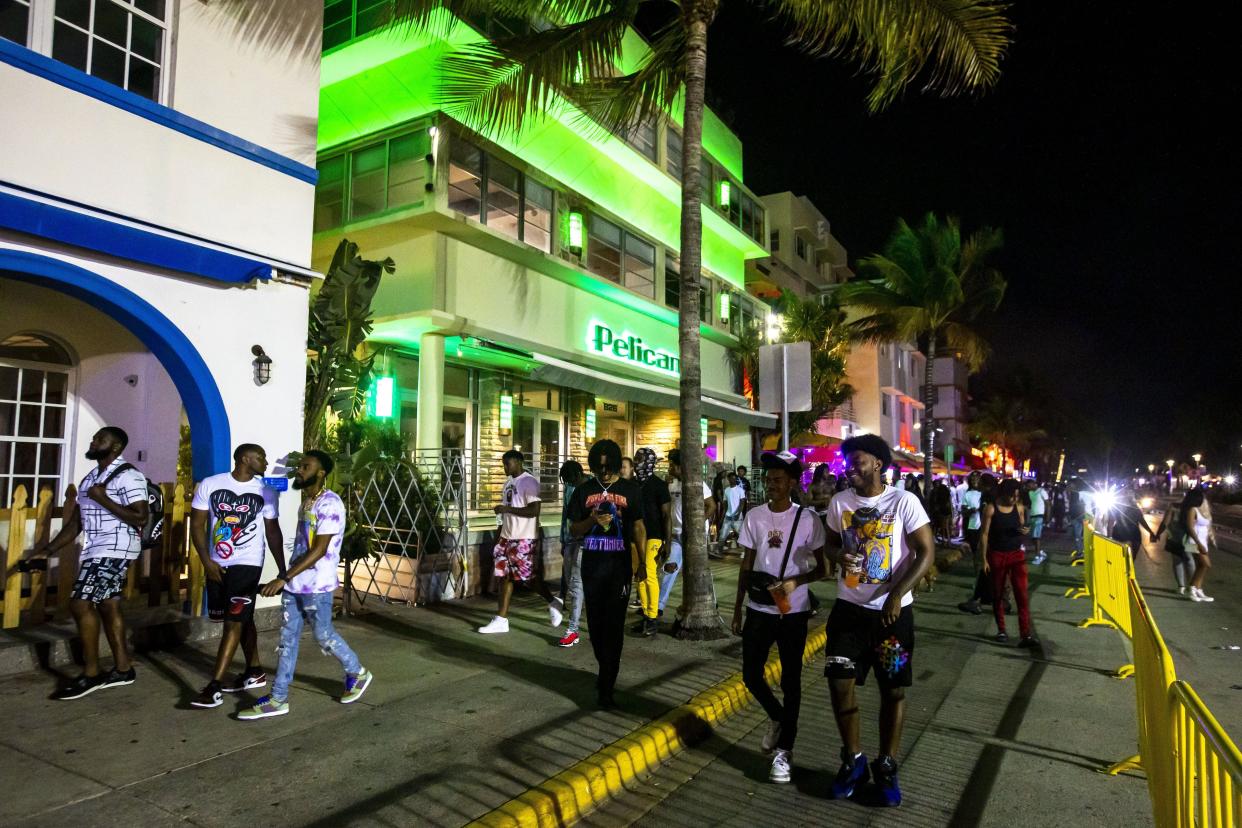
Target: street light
1151,467
1197,458
775,323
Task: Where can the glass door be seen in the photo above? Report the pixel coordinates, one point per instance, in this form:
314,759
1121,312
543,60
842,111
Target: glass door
539,435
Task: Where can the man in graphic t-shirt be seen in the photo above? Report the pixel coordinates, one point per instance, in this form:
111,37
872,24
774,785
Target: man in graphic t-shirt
734,510
882,538
308,587
513,557
233,524
784,546
607,513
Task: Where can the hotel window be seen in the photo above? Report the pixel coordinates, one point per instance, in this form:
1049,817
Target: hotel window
672,279
502,197
639,266
343,20
800,247
465,179
604,247
643,138
123,42
537,216
884,404
34,416
369,180
672,152
774,241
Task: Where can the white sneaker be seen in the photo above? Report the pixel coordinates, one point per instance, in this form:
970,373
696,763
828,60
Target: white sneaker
771,737
1197,594
780,768
1039,559
554,612
1181,590
496,625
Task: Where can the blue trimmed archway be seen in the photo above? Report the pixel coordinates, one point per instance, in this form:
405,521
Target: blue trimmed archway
209,421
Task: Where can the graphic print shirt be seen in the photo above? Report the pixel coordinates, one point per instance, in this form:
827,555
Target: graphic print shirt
876,528
622,501
235,515
519,492
322,515
766,532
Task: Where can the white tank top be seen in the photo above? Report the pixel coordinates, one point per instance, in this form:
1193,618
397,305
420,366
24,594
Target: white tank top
1202,524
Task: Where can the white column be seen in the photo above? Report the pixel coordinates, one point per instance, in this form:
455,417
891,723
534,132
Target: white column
430,391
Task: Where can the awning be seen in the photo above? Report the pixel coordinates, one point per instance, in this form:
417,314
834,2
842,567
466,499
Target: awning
559,372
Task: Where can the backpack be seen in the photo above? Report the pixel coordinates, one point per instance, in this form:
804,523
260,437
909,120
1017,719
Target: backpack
153,529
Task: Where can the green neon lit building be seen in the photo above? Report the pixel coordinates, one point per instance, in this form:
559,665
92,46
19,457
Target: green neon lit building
535,295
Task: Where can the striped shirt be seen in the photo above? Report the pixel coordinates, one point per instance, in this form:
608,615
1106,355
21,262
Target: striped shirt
107,536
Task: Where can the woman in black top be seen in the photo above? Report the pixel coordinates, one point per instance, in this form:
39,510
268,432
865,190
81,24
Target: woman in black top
1000,536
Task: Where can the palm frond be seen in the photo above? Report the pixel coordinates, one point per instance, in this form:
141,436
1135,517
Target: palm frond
958,42
619,103
499,84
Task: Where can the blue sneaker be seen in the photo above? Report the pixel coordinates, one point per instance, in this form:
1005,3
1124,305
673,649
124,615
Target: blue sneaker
853,773
884,772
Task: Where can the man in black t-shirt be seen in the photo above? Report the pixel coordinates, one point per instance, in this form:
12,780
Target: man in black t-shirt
607,513
656,517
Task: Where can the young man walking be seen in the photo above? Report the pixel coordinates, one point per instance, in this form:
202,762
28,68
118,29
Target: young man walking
306,590
883,540
734,495
110,508
571,556
673,561
784,551
607,513
656,518
514,554
233,524
1038,499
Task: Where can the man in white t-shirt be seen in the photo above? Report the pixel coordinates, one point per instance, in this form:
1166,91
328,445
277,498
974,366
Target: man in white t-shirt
234,523
513,557
883,540
734,496
672,563
1038,499
784,548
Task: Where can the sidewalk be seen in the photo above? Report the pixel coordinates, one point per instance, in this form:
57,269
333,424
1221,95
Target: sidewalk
457,723
994,735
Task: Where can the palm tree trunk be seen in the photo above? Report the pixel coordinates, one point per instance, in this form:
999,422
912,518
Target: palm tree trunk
929,421
700,618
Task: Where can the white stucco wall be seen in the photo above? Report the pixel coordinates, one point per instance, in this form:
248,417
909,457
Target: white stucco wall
105,354
222,322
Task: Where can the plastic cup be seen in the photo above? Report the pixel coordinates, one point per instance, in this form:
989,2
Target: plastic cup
851,578
781,599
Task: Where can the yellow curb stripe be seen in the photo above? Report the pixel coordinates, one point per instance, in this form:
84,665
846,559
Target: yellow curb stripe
572,793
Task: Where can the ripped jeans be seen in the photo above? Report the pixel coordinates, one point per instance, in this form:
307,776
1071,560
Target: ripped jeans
315,608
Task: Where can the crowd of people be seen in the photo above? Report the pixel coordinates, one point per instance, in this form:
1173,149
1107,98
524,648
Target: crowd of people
622,524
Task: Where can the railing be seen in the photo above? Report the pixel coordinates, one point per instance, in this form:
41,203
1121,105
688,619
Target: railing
1209,765
1193,768
163,575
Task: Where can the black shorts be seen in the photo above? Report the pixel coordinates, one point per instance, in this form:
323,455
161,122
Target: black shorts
232,599
858,642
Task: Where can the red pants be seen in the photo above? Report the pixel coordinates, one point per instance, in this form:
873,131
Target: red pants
1011,565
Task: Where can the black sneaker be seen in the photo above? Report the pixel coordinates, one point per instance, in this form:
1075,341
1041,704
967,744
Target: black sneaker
116,678
79,687
971,607
884,774
606,701
1002,637
650,627
1030,642
640,626
212,696
252,679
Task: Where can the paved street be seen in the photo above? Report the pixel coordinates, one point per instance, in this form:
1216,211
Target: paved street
994,735
457,724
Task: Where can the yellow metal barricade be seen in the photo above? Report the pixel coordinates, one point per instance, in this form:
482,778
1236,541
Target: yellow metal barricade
1208,781
1084,591
1153,674
1108,571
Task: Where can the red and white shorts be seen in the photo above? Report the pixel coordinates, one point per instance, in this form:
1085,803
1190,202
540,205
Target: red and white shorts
514,559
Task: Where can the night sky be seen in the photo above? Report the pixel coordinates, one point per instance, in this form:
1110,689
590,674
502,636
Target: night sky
1105,155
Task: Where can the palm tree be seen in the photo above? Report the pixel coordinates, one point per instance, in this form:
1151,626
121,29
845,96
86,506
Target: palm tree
571,50
1008,422
822,325
929,286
